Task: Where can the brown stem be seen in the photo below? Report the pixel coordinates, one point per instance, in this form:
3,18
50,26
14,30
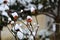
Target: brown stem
57,34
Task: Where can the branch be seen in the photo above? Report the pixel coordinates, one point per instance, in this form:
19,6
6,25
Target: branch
31,26
52,13
26,25
49,10
37,30
58,8
49,16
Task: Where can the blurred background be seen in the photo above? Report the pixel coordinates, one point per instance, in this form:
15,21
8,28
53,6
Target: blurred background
29,19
